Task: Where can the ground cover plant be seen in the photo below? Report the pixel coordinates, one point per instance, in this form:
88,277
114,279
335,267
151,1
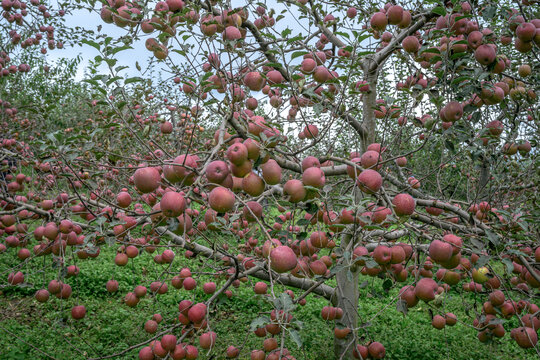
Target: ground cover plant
270,180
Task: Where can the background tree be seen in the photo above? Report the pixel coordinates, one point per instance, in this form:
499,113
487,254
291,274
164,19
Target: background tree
327,142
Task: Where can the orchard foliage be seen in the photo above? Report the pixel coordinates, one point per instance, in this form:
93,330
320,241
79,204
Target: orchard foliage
327,141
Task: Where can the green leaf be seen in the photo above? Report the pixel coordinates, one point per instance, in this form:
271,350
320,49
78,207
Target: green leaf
336,269
450,146
477,244
51,137
482,260
120,68
460,80
439,10
286,302
509,265
118,49
432,50
370,263
344,34
274,65
210,102
318,108
112,80
298,53
294,39
133,79
489,12
286,32
401,306
493,238
111,62
295,336
91,43
259,322
183,53
91,81
496,321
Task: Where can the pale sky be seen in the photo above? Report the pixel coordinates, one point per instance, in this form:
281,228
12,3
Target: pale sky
91,21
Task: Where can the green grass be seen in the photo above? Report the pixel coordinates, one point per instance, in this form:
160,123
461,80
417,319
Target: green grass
110,326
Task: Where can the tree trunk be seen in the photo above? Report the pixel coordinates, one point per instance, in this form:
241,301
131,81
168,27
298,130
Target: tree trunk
347,299
484,179
346,295
369,100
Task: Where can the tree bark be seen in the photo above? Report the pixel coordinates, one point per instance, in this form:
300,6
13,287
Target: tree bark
483,180
347,279
346,297
369,100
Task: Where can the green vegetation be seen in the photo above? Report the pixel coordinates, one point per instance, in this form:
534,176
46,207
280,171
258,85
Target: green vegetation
110,327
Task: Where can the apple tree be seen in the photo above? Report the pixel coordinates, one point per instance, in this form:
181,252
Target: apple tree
291,145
